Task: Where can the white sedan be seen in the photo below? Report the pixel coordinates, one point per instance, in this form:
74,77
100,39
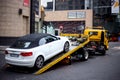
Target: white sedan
33,50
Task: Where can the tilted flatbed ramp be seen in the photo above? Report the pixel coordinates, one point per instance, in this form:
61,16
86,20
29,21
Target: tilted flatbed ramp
49,65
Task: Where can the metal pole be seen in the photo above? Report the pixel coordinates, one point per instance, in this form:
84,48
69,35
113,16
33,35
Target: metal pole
53,5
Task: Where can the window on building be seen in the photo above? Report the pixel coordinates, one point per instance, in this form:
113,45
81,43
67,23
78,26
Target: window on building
70,7
70,2
48,4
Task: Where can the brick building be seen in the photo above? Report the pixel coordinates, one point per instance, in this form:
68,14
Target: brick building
18,18
14,19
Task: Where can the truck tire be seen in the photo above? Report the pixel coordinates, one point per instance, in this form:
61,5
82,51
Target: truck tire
85,55
103,50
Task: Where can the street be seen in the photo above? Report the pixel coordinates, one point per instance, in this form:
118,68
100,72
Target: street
96,68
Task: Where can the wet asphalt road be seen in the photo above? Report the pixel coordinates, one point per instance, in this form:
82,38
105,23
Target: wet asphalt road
96,68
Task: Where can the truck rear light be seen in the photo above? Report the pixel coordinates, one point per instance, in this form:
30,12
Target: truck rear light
26,54
6,52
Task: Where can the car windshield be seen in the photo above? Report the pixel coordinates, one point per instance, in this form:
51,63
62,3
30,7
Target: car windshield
23,44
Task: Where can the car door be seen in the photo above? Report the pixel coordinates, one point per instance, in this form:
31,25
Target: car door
54,44
44,47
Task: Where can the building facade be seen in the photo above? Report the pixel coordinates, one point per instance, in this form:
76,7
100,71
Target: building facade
69,4
70,21
35,16
18,18
14,19
105,13
68,16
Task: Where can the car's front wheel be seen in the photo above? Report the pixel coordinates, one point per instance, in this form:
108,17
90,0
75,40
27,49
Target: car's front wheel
66,47
39,62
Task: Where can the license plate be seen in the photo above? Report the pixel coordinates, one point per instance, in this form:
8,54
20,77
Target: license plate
14,55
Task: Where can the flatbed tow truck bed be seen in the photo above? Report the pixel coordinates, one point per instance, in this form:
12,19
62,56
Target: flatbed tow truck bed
62,57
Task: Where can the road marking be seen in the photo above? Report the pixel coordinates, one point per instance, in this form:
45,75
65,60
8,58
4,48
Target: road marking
116,48
23,78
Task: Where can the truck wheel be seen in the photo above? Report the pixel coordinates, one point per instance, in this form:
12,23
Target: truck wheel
85,55
103,51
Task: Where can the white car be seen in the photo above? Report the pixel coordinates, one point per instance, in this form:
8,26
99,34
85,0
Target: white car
33,50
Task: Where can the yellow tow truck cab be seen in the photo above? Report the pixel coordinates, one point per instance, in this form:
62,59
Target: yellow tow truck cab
98,35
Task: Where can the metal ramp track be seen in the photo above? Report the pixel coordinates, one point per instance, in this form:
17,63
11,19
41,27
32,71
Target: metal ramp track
49,65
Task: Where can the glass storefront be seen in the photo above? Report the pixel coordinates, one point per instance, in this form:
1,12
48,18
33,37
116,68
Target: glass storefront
58,4
104,17
102,11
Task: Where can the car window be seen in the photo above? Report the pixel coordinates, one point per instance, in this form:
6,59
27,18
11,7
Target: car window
42,41
21,44
51,39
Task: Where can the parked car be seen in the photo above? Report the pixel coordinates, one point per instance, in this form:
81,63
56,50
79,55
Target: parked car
33,50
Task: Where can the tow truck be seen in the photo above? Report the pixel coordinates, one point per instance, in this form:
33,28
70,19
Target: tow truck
98,41
91,41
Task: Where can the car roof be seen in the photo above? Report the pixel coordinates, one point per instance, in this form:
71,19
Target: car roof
33,37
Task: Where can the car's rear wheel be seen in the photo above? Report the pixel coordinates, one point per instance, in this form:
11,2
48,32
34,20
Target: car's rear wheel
66,47
39,62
